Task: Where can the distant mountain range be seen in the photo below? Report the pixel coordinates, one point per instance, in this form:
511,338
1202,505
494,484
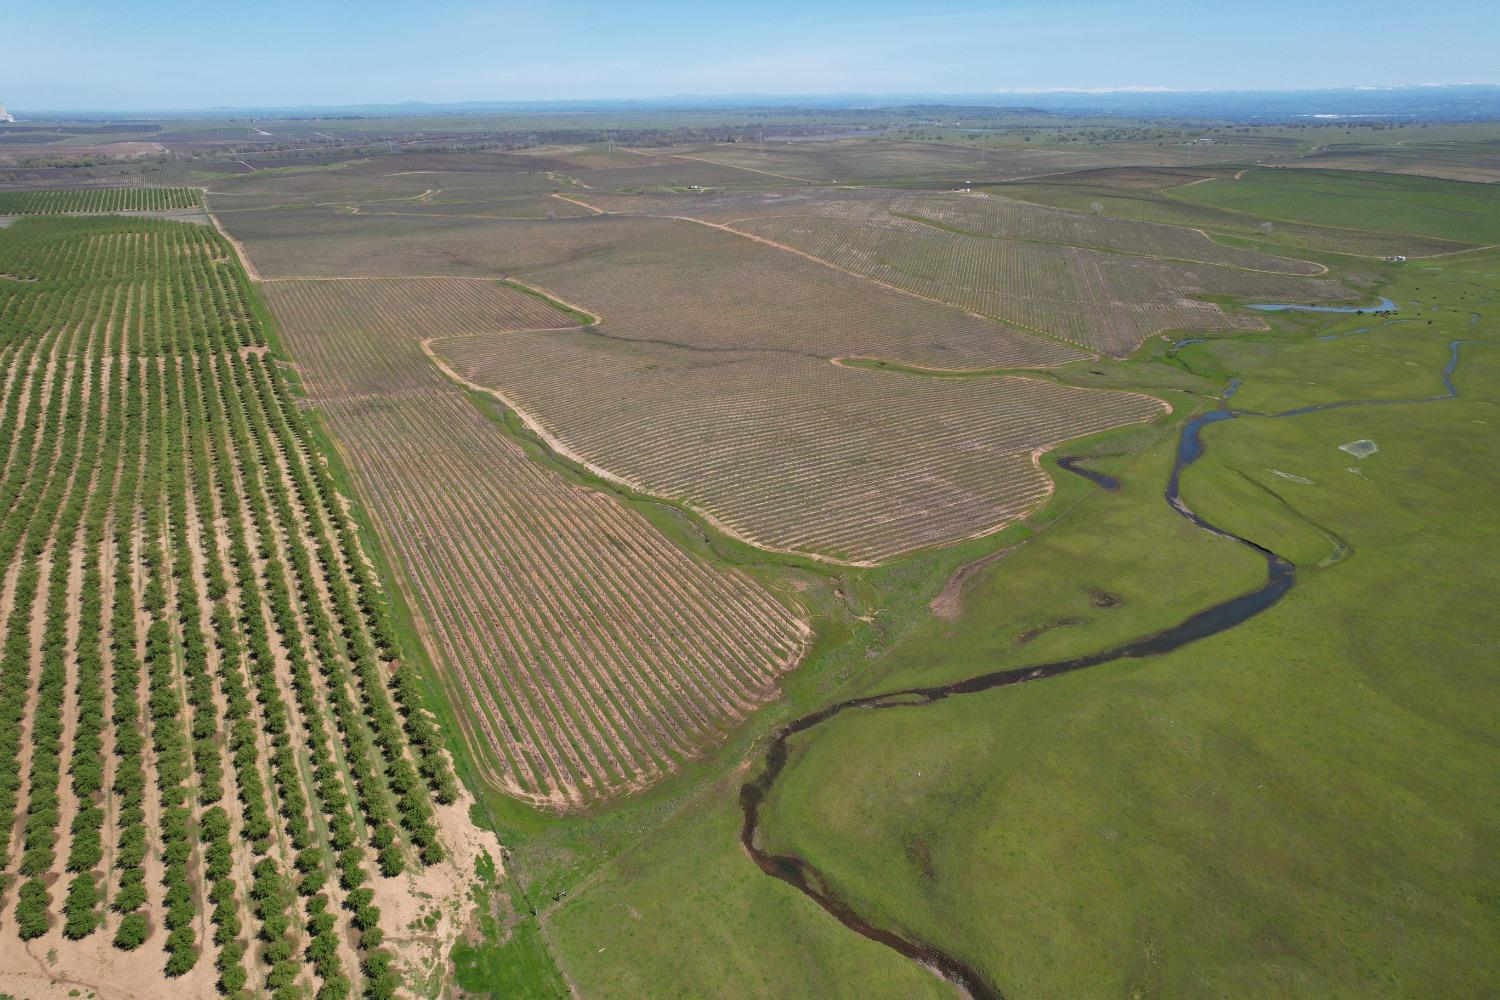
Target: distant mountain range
1438,102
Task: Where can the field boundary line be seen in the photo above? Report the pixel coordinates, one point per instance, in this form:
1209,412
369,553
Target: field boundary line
944,227
723,227
594,318
574,199
559,447
239,248
716,163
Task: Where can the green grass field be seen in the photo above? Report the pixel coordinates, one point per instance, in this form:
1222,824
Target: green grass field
1302,806
1298,807
1408,206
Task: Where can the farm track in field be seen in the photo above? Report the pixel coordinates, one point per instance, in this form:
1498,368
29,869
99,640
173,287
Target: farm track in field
222,758
824,261
1104,284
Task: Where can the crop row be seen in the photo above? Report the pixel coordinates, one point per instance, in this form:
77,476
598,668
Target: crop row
594,655
114,199
1090,297
799,454
153,469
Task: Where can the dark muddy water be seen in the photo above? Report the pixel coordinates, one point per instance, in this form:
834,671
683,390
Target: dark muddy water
1281,575
1072,464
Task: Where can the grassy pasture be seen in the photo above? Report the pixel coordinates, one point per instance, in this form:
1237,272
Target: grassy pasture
1123,830
1070,839
1124,199
1461,160
1403,205
1067,835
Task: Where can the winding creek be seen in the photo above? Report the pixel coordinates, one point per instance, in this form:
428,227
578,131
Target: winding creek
1280,577
1384,305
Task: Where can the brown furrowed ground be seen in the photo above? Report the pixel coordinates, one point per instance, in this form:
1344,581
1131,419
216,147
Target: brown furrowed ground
1105,284
225,781
863,161
792,452
750,415
586,652
319,242
712,379
481,185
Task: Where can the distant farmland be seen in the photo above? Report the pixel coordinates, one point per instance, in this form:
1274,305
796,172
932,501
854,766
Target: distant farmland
220,769
586,654
103,199
746,417
799,454
1105,284
712,379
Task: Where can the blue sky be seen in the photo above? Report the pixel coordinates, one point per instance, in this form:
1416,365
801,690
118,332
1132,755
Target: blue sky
151,54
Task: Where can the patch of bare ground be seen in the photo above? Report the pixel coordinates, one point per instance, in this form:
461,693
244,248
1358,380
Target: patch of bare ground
52,965
948,604
442,889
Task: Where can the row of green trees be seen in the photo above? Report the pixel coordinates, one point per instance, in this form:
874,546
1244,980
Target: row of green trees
86,766
188,288
190,437
172,756
359,600
42,811
27,463
126,724
100,199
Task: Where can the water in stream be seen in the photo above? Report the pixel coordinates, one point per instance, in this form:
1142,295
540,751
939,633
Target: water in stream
1280,577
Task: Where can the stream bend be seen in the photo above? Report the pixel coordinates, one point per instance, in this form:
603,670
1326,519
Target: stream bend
1280,577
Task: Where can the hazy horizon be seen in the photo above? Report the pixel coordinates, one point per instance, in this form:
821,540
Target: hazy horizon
284,55
1017,97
